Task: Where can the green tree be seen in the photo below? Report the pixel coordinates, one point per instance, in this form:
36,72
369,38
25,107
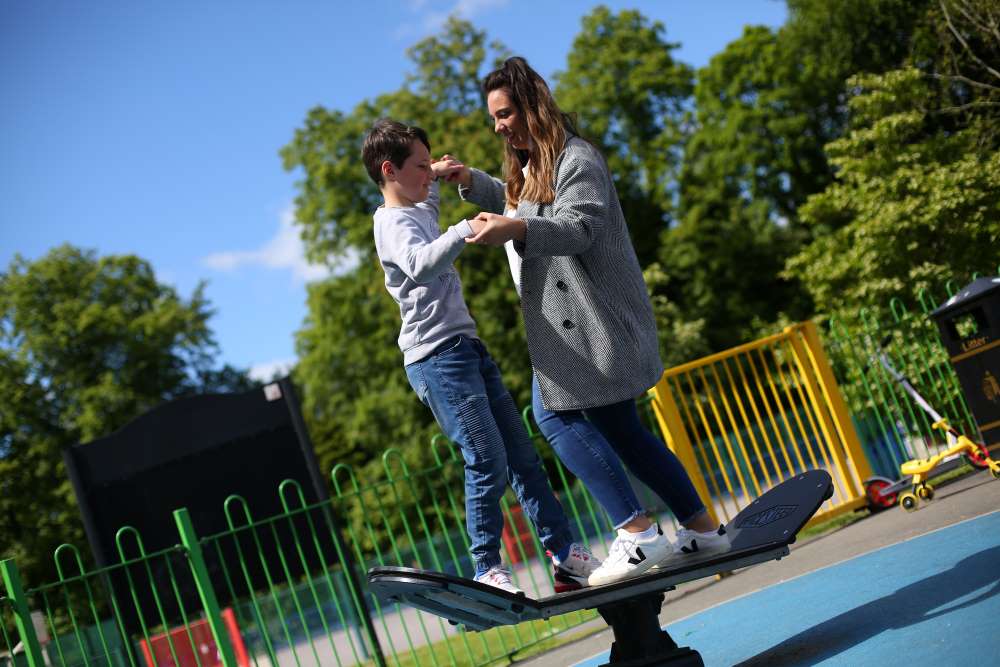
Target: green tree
681,340
960,50
916,198
86,345
771,100
629,96
913,206
765,107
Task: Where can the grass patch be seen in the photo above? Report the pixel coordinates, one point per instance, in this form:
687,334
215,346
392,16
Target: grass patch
833,524
555,641
944,478
498,646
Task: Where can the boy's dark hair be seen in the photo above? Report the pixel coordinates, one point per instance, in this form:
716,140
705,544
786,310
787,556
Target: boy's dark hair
389,140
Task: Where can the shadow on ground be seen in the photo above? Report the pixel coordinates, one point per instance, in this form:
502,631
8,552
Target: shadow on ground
923,600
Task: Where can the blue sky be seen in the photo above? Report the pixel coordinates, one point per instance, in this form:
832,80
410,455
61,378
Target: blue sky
153,128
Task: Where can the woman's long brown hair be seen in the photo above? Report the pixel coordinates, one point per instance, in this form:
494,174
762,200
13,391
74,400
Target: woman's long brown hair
547,124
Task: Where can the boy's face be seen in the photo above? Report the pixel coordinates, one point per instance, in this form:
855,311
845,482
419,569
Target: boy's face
413,180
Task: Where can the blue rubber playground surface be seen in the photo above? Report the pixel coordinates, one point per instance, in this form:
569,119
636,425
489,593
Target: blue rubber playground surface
932,600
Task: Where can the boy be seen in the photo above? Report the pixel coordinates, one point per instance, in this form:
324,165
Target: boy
449,367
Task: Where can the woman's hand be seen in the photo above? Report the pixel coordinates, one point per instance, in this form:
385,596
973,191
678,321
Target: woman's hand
493,229
452,170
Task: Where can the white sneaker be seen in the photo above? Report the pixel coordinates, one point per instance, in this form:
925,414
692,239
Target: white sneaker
630,556
498,576
693,542
572,572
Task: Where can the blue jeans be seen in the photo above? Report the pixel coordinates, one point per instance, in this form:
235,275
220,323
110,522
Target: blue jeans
462,386
593,444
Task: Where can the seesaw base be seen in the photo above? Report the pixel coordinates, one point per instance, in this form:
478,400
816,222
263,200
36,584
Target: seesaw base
639,640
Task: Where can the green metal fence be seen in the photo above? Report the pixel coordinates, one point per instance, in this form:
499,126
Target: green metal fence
105,616
890,424
9,639
300,605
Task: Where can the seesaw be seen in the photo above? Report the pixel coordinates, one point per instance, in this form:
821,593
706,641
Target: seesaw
761,532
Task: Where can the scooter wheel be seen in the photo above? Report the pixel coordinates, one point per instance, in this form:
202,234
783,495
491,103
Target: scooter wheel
877,501
925,492
908,501
995,472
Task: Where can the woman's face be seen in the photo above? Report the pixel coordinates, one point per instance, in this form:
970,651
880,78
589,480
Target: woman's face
507,119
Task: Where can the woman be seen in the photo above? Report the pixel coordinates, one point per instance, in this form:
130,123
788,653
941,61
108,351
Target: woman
588,319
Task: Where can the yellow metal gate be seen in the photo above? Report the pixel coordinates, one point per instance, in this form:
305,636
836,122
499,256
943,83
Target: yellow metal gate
745,419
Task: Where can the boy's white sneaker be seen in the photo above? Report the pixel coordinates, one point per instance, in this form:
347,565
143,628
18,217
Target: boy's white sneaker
631,556
573,571
499,577
692,542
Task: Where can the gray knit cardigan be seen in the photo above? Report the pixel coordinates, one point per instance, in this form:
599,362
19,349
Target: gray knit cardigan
588,319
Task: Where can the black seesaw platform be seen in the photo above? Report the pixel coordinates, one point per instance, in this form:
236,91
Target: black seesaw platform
762,531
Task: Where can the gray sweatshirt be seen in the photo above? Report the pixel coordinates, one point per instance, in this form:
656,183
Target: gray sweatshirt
417,259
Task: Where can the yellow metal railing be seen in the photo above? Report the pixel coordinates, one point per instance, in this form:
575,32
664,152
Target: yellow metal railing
743,420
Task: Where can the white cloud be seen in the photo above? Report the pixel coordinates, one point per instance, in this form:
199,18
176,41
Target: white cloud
467,8
433,21
284,251
269,370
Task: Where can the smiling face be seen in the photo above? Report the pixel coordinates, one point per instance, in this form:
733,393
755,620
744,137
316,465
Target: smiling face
412,181
508,121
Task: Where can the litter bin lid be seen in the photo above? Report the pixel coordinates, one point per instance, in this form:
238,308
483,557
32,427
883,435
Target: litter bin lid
973,292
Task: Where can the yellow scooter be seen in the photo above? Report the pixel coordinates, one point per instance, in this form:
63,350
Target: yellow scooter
918,470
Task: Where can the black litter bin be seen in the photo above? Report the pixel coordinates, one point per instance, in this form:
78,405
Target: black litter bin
970,329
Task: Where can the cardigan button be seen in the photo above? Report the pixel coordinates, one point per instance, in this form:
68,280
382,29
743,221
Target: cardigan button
561,285
567,324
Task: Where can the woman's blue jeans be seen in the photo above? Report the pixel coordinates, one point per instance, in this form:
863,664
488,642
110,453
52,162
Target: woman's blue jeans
593,444
462,386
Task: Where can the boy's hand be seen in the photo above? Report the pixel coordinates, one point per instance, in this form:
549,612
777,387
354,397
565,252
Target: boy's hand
477,226
452,170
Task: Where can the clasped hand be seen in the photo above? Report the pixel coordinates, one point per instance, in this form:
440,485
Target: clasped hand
451,169
487,228
493,229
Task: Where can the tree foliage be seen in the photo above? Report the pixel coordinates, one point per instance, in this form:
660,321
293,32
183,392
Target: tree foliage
916,199
960,50
629,96
87,344
764,109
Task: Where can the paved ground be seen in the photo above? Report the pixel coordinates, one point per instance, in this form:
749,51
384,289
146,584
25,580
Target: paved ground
972,496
